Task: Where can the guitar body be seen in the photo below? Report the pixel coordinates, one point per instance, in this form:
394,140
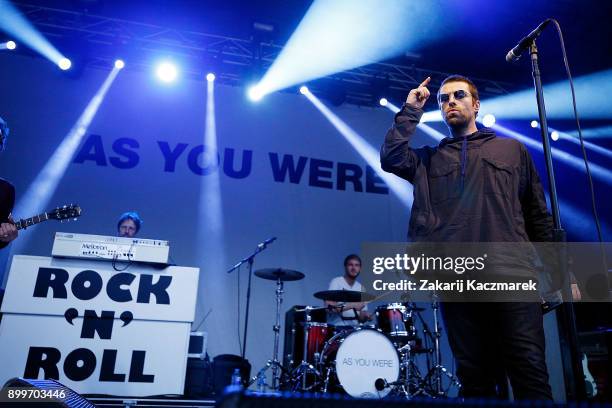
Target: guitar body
7,201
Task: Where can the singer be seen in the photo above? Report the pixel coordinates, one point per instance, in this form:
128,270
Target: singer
476,187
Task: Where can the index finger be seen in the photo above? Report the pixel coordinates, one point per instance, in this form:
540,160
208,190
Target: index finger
425,82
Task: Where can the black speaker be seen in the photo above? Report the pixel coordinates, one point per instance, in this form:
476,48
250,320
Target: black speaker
22,393
199,378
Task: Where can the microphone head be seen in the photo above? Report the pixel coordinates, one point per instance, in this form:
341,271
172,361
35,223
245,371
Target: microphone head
380,384
511,57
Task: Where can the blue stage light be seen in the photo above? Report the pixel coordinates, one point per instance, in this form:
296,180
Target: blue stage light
383,101
13,23
370,154
554,135
339,35
166,71
304,90
119,64
11,45
64,64
210,77
255,94
534,124
488,120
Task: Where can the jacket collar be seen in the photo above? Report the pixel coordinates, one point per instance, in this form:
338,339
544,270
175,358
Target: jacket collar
477,138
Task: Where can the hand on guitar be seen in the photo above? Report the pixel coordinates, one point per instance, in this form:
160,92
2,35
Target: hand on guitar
8,230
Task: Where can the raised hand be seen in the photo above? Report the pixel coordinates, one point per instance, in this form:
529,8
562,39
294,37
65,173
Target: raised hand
418,96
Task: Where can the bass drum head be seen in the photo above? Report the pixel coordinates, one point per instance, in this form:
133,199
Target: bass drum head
363,357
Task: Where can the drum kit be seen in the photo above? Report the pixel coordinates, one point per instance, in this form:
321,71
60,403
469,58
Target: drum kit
364,361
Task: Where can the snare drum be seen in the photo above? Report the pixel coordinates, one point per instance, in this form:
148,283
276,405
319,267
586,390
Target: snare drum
354,360
396,321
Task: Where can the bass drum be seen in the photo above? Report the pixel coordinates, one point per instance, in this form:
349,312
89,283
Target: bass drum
353,360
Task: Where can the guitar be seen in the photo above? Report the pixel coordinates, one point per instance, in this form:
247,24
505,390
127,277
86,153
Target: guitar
65,213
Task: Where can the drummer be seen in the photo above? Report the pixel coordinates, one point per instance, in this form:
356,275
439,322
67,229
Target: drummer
353,313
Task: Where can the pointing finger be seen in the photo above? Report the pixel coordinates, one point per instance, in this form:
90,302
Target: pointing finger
425,82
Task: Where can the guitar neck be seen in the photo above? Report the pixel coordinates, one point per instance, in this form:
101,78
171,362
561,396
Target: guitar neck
28,222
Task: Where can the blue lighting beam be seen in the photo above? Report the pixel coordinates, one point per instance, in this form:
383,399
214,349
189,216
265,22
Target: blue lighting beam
339,35
402,189
39,193
16,25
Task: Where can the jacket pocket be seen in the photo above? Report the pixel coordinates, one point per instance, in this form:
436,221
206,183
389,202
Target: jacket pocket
497,177
444,182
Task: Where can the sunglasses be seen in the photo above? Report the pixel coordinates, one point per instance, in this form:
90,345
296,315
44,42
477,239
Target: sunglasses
460,94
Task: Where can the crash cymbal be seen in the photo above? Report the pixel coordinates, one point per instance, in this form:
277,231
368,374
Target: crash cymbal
284,275
343,296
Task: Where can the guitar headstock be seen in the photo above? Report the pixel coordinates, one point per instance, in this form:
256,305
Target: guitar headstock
65,213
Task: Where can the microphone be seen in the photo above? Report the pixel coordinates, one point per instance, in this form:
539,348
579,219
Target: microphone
262,245
515,53
380,384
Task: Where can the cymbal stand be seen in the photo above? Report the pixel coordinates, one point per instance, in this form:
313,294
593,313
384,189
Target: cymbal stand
274,363
438,370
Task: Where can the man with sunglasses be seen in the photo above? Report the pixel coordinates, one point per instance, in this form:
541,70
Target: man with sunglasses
476,187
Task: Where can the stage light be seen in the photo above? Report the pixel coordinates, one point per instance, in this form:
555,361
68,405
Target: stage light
11,45
393,108
14,24
554,135
488,120
588,145
166,72
604,132
534,124
331,38
303,89
383,101
64,64
41,190
577,163
255,94
210,208
591,100
371,155
119,64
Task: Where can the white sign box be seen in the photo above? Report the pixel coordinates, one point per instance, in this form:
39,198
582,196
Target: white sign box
96,329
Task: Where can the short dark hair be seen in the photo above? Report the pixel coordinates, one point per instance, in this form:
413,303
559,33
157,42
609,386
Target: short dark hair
351,257
460,78
130,215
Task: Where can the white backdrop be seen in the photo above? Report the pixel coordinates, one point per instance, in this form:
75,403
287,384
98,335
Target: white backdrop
316,227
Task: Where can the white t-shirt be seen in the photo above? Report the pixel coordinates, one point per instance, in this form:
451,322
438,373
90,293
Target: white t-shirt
348,316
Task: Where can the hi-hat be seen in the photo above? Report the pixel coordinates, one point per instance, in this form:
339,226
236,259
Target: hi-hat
275,274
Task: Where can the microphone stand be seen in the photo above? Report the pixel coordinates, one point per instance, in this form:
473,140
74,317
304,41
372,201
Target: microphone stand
568,335
249,259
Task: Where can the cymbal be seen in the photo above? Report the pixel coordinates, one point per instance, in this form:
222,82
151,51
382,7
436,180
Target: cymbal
343,296
284,275
310,309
